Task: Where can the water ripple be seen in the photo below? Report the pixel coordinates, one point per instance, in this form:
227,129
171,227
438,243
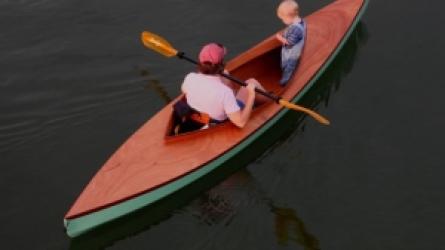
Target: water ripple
34,116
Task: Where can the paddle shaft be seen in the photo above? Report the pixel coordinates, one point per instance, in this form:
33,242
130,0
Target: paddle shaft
269,95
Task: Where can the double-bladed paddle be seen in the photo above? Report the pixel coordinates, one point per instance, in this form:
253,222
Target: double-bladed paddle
163,47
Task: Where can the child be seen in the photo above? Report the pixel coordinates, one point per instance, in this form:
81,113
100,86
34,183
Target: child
292,38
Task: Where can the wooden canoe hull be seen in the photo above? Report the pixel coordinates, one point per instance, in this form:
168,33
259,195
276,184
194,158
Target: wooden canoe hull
147,167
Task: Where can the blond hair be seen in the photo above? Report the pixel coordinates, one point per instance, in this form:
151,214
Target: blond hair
288,8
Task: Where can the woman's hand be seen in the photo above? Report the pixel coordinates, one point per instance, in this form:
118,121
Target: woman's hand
251,84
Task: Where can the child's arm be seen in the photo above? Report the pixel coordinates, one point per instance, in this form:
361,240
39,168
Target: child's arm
280,38
295,35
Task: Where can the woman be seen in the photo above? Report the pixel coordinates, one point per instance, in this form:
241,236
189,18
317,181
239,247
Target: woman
207,92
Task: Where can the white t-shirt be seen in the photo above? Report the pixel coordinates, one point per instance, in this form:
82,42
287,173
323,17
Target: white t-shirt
208,94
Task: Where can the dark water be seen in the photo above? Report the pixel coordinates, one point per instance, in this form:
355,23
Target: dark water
75,82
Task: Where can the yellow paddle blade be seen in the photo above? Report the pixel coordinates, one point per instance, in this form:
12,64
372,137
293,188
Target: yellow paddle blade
315,115
158,44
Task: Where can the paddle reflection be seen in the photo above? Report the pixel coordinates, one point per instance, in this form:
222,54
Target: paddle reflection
288,226
154,84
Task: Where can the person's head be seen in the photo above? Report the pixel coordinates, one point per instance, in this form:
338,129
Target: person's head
287,11
211,59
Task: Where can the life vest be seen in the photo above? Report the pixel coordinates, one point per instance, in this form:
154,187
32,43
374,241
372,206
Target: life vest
187,118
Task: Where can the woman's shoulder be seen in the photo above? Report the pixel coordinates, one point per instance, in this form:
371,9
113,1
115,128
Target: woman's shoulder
190,75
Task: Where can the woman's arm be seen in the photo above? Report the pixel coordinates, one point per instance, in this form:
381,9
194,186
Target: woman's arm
241,117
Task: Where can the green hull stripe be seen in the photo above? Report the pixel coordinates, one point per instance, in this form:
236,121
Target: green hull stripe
80,225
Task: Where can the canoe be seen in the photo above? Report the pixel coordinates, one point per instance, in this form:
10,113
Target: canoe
153,164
